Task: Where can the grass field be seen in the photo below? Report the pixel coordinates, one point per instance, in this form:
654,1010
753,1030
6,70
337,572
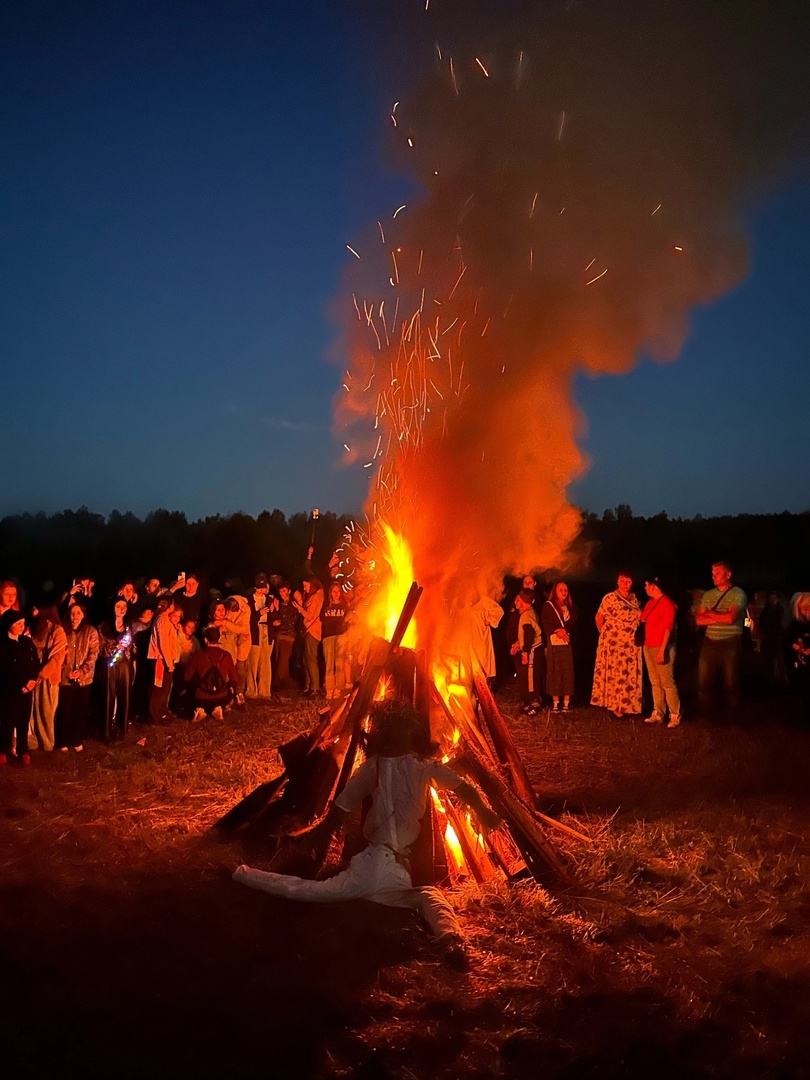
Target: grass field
127,951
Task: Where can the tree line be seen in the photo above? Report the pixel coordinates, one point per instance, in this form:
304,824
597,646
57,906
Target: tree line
766,550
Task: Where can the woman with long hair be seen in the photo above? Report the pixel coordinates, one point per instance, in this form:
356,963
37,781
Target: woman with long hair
116,653
557,618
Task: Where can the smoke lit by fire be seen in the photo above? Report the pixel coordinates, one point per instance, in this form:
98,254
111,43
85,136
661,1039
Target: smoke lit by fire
581,168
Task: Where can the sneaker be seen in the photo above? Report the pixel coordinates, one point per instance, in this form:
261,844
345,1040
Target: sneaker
79,749
530,711
674,720
3,760
555,707
25,759
63,749
567,707
240,701
655,718
199,714
217,713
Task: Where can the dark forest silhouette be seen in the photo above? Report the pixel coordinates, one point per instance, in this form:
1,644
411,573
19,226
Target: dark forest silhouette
766,550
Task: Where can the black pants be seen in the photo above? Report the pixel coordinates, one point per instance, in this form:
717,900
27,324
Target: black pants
71,714
15,713
719,658
116,711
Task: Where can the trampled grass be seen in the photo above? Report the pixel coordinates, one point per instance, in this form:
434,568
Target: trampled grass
682,949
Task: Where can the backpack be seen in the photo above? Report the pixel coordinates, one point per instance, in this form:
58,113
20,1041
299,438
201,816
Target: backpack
213,683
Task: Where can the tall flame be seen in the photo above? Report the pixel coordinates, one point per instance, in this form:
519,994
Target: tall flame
394,579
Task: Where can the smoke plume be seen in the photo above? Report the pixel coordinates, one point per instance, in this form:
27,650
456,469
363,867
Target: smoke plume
585,170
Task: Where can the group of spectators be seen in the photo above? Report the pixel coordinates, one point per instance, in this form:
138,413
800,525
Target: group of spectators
152,653
634,638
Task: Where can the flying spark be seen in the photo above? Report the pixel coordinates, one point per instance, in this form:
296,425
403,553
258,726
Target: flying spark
482,67
351,249
597,277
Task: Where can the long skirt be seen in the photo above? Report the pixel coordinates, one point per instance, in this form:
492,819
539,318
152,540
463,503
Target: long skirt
560,671
374,874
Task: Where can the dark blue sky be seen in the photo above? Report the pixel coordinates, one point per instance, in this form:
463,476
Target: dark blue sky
178,183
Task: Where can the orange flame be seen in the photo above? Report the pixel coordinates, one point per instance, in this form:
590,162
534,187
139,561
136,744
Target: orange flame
385,608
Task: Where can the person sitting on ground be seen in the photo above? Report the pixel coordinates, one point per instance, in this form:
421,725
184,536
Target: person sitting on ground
19,670
212,675
397,774
527,653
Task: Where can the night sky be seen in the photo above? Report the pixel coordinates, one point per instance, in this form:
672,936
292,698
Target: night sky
179,183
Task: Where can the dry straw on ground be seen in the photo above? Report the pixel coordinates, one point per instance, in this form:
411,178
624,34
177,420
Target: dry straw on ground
682,949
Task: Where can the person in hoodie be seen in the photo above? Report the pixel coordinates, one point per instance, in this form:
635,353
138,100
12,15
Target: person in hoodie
19,670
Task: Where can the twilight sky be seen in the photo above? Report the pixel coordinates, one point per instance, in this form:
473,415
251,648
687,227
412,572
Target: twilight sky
178,182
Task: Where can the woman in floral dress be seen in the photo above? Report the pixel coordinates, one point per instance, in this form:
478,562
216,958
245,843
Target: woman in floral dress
617,675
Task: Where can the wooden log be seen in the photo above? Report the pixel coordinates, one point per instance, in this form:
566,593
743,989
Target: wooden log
541,857
503,742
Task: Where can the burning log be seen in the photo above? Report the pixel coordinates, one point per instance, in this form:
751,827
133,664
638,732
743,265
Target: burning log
502,741
318,765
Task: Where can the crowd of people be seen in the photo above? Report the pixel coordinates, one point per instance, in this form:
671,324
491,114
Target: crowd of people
633,638
152,652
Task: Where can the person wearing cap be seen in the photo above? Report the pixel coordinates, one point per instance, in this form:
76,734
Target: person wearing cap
260,660
658,618
19,670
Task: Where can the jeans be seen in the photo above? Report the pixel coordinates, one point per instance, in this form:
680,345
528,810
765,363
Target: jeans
662,681
719,658
312,677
